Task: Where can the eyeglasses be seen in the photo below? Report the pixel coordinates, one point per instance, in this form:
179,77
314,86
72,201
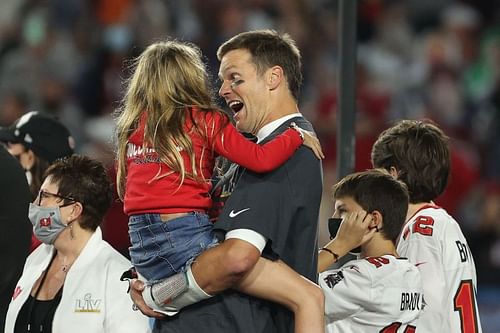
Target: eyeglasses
45,195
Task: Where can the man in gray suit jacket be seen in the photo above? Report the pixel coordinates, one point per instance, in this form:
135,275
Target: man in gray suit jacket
275,214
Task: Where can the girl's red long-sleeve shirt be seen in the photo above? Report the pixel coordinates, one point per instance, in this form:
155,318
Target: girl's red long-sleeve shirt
152,187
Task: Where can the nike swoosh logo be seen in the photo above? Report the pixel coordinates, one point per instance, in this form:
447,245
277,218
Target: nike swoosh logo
234,214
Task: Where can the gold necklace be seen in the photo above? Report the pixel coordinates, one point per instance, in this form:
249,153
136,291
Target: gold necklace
65,267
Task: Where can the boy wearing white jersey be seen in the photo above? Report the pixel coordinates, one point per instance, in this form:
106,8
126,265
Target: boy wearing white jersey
380,292
417,153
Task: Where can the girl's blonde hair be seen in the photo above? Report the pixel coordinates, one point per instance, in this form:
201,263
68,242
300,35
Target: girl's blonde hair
169,79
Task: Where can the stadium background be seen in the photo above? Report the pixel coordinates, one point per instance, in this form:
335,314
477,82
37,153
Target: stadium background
438,59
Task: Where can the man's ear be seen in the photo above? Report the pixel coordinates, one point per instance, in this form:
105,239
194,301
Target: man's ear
275,76
30,160
377,220
394,172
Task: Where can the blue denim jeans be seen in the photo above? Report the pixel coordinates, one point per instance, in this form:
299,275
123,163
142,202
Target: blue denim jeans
161,249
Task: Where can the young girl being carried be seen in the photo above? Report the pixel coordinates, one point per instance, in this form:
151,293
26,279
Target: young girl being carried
169,134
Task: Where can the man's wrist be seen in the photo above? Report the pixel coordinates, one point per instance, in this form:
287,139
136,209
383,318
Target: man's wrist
335,255
336,247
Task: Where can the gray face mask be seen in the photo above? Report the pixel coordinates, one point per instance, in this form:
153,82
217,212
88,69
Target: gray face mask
47,222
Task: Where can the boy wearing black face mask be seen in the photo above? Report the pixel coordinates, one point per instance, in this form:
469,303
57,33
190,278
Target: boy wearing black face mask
380,292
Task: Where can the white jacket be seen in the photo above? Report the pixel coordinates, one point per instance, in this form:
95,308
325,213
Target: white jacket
94,300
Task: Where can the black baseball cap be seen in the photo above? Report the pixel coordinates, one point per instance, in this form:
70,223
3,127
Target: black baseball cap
43,134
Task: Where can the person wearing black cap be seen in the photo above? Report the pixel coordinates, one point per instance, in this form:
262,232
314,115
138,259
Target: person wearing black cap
36,140
16,228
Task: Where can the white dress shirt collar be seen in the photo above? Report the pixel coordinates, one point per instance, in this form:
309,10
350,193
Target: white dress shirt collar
265,131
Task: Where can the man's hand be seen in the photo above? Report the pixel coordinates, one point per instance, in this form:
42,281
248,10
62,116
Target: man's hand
355,230
136,288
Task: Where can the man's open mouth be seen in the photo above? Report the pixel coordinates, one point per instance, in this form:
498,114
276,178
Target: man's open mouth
236,106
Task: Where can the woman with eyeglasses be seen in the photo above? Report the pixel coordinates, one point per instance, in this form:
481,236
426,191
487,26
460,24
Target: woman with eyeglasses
71,282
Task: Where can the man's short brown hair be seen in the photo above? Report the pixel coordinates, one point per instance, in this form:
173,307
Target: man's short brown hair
269,48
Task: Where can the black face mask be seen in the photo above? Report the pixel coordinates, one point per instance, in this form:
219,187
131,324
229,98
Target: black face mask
333,228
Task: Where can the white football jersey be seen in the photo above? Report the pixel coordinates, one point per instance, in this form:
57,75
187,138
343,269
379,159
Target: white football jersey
374,294
433,241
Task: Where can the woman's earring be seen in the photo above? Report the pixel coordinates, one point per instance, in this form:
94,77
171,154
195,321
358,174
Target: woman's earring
71,235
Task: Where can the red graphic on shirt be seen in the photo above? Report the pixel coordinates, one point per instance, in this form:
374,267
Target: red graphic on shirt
406,233
377,261
45,222
16,293
423,225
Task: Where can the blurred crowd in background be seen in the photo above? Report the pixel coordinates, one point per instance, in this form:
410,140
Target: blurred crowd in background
437,59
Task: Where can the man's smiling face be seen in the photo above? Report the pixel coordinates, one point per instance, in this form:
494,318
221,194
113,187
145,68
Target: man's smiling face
244,90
